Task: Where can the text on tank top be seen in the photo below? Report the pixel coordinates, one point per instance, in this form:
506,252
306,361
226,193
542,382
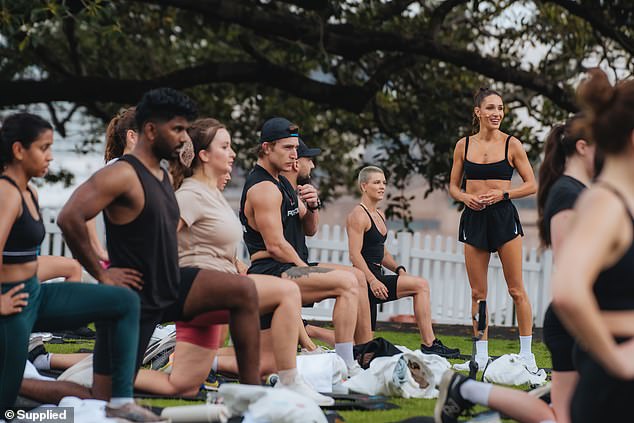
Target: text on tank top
289,212
148,243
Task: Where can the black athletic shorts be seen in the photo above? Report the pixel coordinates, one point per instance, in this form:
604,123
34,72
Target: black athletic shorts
172,313
559,342
599,396
390,282
491,227
269,266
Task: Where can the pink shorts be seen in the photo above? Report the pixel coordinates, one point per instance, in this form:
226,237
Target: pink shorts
203,330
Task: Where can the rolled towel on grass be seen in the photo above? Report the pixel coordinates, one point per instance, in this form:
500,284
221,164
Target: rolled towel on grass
203,413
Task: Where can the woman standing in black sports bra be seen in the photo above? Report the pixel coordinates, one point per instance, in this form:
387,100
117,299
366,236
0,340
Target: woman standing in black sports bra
593,283
367,233
490,221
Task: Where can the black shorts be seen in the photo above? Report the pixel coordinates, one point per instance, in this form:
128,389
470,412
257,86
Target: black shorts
490,228
172,313
599,396
272,267
269,266
390,282
559,342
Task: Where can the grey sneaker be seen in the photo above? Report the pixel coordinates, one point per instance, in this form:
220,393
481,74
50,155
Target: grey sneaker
36,348
450,404
134,413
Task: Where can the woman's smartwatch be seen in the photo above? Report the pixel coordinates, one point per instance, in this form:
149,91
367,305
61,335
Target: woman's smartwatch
505,195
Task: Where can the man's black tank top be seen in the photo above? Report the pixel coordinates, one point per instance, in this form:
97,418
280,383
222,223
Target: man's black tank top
289,213
614,287
148,243
27,233
373,249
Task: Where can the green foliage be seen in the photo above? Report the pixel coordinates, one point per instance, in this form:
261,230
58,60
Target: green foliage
413,67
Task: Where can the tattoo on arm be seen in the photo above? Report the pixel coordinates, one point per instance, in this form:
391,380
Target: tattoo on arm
300,272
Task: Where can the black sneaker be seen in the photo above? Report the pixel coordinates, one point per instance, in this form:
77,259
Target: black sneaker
438,348
79,333
450,404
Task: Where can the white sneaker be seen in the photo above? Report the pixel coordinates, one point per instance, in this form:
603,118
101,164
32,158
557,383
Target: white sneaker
354,370
301,387
464,367
529,362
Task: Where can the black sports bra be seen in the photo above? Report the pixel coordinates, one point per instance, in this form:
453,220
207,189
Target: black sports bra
481,171
614,287
27,233
372,249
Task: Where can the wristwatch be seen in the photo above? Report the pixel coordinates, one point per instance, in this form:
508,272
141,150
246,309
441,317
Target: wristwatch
505,195
317,207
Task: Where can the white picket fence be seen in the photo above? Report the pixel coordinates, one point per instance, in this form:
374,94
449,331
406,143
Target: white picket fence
440,261
437,259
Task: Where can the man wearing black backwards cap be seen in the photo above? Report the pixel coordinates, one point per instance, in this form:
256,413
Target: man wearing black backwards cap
274,232
299,177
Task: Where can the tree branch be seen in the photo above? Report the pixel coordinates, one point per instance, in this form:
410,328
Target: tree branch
596,19
68,26
352,43
88,89
439,14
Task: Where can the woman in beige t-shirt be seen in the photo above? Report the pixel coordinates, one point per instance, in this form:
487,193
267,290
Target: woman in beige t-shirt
209,231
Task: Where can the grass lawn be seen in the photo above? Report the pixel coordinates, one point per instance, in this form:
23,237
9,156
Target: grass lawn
410,407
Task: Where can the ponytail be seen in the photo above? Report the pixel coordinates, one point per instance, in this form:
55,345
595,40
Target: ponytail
116,133
560,144
609,111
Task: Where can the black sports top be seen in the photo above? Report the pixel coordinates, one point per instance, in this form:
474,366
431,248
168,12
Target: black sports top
562,196
289,213
614,287
373,249
27,233
499,170
148,243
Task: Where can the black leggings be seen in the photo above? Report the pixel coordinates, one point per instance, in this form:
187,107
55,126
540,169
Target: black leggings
56,306
599,396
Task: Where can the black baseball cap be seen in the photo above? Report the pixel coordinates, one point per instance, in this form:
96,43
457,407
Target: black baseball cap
304,151
277,128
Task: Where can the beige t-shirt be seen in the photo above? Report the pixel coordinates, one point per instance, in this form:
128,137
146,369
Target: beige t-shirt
212,230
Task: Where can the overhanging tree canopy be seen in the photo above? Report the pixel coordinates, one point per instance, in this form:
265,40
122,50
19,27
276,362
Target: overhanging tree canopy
397,74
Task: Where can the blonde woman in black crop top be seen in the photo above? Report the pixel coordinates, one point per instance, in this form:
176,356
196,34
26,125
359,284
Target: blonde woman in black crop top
593,283
367,233
490,222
